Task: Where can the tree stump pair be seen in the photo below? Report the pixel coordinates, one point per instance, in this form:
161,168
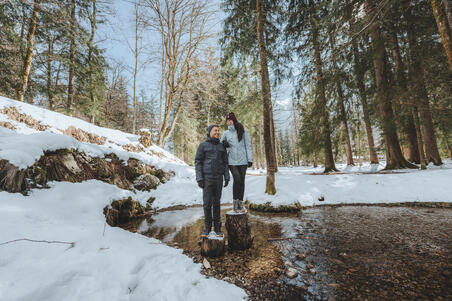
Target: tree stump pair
239,236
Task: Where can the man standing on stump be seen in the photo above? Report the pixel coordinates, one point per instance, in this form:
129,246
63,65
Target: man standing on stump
211,165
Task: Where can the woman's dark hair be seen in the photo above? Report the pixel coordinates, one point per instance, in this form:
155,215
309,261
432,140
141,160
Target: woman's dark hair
240,130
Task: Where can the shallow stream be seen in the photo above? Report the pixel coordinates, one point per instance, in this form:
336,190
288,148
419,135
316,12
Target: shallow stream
339,253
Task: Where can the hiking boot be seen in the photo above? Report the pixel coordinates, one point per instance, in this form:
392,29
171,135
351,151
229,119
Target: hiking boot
205,233
219,234
235,204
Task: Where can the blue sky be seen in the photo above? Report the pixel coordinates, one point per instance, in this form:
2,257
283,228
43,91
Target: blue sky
116,36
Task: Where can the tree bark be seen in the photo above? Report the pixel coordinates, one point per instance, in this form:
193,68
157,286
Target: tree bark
135,72
90,58
419,92
269,135
395,157
362,96
342,112
239,231
404,116
444,28
29,56
70,86
49,72
420,144
212,247
329,161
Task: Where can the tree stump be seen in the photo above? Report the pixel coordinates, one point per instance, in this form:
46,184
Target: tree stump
239,231
212,246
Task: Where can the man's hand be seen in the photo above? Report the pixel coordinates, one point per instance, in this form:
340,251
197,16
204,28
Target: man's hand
201,184
226,144
226,182
250,164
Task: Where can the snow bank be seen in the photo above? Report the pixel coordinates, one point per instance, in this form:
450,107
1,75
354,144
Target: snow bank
105,263
300,185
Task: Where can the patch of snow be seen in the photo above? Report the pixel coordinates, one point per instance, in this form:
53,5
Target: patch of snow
106,263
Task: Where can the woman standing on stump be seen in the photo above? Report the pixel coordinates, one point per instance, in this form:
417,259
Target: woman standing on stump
238,143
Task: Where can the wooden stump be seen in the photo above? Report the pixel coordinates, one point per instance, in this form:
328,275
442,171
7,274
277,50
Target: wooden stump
239,231
212,246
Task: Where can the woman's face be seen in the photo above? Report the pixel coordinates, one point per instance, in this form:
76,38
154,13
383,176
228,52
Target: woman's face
229,122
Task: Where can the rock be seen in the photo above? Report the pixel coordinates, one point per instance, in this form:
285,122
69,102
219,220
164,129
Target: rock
301,256
7,125
343,254
312,271
146,182
206,264
145,137
83,136
309,266
288,263
291,273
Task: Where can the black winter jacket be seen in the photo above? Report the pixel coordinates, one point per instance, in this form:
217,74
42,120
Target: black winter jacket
211,160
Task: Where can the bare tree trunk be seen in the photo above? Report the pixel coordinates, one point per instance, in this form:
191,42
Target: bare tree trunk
29,56
405,117
270,147
49,73
420,144
90,57
135,72
342,112
362,96
328,152
444,28
70,86
395,157
419,92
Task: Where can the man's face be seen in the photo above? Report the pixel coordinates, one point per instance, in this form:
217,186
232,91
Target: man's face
215,133
229,122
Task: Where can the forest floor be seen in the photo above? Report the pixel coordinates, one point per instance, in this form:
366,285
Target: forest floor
338,252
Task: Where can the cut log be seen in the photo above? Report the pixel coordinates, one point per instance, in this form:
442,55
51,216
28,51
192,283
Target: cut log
212,246
239,231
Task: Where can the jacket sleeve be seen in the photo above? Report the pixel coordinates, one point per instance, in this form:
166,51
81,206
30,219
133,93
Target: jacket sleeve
223,137
199,160
249,150
226,166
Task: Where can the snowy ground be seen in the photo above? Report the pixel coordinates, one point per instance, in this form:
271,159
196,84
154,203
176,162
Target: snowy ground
111,263
105,264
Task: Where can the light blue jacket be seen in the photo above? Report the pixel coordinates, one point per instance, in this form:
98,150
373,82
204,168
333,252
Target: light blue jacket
239,153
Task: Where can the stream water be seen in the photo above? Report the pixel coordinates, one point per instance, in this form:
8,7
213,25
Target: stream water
338,253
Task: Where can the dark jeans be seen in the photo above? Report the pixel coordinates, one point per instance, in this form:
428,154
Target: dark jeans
238,188
211,196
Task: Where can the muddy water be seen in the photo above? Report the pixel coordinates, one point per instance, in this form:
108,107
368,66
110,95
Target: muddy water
340,253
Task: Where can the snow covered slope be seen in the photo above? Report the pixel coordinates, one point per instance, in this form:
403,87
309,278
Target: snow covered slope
55,243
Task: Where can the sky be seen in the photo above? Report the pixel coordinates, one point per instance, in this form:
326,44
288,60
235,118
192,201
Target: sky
117,36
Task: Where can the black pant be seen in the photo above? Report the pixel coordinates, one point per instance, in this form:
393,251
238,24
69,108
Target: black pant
211,195
238,188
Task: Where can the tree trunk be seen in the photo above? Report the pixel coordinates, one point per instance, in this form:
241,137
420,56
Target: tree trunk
342,112
135,72
29,56
395,157
49,72
404,116
444,28
420,144
329,161
90,59
448,9
269,136
212,247
239,231
359,75
70,86
419,91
